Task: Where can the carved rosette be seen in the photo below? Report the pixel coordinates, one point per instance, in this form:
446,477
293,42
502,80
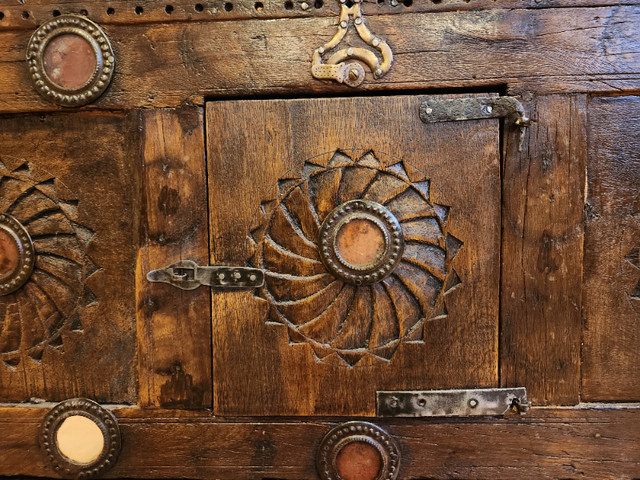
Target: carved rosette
343,306
51,302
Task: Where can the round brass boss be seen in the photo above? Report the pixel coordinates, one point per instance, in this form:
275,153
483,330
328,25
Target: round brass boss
361,242
17,255
70,60
358,451
80,438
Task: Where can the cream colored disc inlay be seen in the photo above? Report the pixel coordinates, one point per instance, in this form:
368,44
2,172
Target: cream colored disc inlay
80,439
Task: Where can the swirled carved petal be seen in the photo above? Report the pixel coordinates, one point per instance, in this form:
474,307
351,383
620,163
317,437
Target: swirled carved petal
11,330
355,181
422,285
422,230
305,309
384,327
31,203
34,329
51,221
284,231
323,187
63,296
409,205
385,188
63,245
68,271
407,309
11,190
325,326
354,332
429,258
277,260
287,287
297,203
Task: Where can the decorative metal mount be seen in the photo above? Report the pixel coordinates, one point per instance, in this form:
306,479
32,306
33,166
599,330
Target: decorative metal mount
188,275
451,403
337,66
446,109
336,458
380,219
104,420
90,39
17,255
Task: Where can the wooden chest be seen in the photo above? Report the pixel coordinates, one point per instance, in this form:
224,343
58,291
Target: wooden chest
320,240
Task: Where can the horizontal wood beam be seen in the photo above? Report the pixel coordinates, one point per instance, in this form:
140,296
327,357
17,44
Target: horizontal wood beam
542,50
29,15
547,442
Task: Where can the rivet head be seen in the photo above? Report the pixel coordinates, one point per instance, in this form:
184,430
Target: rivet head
343,24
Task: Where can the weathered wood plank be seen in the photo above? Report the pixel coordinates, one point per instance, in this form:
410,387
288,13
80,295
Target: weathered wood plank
543,200
70,181
612,241
166,64
545,443
31,13
174,339
325,347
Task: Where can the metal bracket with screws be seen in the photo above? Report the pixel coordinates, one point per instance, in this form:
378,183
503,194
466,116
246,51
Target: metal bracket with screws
451,403
446,109
341,66
188,275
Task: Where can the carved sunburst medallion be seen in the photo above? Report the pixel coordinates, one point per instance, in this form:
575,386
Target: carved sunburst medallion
357,256
51,301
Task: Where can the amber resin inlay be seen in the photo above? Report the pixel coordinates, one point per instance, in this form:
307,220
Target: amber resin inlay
359,461
9,255
69,60
360,242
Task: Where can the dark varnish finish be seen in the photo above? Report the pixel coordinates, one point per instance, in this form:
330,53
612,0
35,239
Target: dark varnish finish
611,262
542,236
174,346
69,179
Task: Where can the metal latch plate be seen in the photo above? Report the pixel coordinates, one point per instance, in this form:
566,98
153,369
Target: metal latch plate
188,275
450,403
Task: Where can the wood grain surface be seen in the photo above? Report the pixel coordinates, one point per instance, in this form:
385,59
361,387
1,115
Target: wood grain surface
30,13
542,50
542,221
255,148
612,240
174,329
545,443
70,180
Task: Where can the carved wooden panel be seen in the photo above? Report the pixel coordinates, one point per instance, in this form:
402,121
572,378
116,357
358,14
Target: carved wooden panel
612,241
293,184
69,331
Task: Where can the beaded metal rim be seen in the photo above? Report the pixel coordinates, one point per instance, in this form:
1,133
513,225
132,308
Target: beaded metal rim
26,253
372,212
99,42
105,421
342,435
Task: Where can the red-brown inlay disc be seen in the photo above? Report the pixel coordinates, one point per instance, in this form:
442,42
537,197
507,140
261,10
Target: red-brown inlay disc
9,255
359,461
69,60
360,242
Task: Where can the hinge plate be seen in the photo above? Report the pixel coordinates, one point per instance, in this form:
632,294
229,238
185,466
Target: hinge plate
446,109
188,275
451,403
